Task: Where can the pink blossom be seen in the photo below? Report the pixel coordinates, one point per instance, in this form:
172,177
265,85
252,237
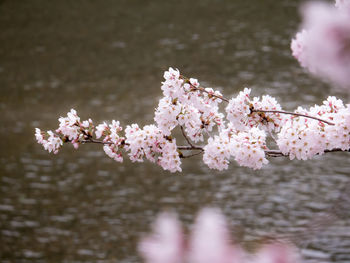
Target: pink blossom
172,86
101,129
70,125
50,141
39,135
238,109
250,148
166,114
112,152
303,138
170,159
152,144
217,153
266,121
247,147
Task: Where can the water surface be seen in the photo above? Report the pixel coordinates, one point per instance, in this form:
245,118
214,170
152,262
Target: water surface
106,60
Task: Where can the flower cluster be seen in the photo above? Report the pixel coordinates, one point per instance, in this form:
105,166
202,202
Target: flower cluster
241,136
245,113
238,109
70,129
152,144
302,138
323,45
247,148
209,242
113,142
185,105
50,141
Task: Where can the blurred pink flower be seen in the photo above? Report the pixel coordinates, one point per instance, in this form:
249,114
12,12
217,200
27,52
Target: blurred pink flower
343,5
324,48
277,253
298,46
209,242
166,244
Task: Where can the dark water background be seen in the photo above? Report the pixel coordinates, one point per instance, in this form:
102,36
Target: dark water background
106,60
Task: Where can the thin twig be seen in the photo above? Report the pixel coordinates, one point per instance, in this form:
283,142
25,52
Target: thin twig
189,148
203,90
254,110
277,153
191,155
210,93
293,113
90,140
184,134
270,153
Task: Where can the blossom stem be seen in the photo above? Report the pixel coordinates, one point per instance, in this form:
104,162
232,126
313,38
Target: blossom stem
269,153
186,148
254,110
276,153
191,155
203,89
91,140
293,113
189,148
184,134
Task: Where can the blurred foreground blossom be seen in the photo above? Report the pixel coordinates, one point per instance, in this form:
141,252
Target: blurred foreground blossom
209,242
343,5
323,46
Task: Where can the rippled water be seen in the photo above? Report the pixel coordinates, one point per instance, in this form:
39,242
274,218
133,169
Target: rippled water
106,60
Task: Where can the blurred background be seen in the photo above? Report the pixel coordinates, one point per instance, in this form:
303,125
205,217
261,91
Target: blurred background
106,60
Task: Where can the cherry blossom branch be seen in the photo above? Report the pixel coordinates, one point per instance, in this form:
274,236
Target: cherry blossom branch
292,113
269,153
243,137
186,148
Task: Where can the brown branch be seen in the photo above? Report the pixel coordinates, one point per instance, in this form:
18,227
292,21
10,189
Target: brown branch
189,148
91,140
186,148
184,134
191,155
269,153
203,90
277,153
293,113
211,94
254,110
